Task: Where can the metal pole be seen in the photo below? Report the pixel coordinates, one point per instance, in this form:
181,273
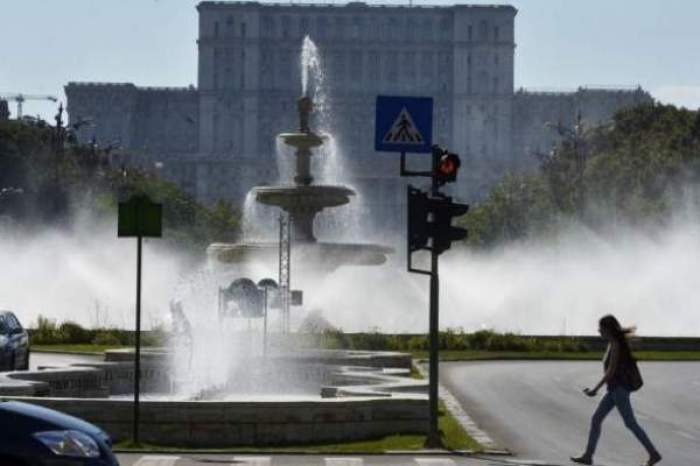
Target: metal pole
433,439
137,356
265,327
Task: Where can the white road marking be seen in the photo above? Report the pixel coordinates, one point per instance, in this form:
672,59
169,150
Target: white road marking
685,435
434,461
344,461
157,460
253,460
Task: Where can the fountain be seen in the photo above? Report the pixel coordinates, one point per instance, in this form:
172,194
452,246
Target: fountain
302,200
212,387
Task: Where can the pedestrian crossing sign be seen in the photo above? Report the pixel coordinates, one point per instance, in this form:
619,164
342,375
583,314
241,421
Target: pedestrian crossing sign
404,124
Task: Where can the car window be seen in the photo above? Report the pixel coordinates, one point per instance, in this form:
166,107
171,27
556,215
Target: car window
3,324
14,323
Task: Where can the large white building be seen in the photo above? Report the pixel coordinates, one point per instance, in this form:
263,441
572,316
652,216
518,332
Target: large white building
218,139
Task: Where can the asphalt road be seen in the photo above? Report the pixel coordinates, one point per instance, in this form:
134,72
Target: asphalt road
537,409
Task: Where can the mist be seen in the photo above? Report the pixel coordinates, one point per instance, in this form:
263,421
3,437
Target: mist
85,274
558,285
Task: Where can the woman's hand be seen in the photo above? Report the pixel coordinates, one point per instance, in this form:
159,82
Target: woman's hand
590,391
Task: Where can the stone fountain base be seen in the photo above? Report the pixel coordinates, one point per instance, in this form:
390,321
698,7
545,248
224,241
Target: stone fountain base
367,395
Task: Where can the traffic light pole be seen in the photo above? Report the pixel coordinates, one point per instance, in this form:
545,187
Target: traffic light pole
433,439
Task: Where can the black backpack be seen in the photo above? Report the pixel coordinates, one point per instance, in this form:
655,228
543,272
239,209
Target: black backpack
631,376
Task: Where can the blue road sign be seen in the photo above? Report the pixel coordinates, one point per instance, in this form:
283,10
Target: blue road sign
403,124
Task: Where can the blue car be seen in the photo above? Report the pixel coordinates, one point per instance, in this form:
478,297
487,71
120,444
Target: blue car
14,343
32,435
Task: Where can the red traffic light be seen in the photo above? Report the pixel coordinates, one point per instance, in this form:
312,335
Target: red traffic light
446,168
449,164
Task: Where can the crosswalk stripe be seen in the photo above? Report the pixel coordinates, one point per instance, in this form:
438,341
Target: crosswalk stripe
434,462
252,460
344,461
157,460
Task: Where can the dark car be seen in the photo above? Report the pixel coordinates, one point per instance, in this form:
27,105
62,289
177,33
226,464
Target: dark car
32,435
14,343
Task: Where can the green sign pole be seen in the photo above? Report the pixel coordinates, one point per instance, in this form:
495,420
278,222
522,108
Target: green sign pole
137,356
139,217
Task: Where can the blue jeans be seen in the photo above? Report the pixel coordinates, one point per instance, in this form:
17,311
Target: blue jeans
620,397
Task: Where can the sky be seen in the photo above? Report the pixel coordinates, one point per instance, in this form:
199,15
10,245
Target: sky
561,44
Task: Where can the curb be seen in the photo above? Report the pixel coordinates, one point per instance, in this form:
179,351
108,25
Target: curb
467,423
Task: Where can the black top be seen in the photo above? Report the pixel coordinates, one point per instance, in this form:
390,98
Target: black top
625,360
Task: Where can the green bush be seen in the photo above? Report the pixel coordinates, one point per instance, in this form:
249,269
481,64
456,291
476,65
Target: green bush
46,331
73,333
106,338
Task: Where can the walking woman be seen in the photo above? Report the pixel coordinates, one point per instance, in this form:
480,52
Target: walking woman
618,363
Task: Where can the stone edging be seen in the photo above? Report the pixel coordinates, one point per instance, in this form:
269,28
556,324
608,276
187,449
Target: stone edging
462,417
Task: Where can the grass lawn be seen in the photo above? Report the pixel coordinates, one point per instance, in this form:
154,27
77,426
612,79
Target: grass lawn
468,355
454,438
68,348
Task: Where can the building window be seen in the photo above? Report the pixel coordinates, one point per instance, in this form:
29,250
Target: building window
496,33
445,29
392,67
411,27
356,29
339,27
356,66
409,63
483,31
427,29
304,26
243,29
495,59
470,33
427,64
216,29
286,26
394,32
495,85
322,26
268,26
374,65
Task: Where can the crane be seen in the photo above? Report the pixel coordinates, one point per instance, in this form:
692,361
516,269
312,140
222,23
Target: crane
20,98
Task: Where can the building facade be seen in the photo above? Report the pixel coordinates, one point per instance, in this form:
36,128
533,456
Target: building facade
218,139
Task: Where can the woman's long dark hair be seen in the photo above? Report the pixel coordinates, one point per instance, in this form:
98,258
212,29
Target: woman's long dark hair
612,325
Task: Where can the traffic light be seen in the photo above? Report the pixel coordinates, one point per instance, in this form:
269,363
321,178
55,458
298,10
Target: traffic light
418,227
432,218
445,166
444,210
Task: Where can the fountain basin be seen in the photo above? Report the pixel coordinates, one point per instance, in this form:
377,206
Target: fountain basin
374,397
302,140
320,256
313,197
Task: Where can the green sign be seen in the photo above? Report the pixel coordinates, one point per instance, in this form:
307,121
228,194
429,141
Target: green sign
139,216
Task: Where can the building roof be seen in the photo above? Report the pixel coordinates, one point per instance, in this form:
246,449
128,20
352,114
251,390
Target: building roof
350,5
